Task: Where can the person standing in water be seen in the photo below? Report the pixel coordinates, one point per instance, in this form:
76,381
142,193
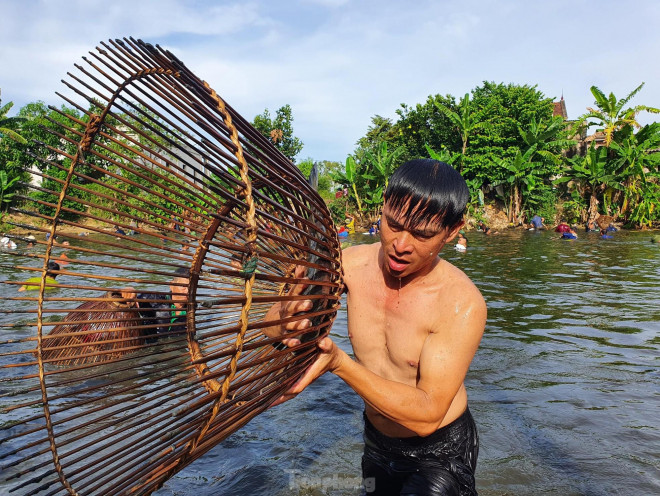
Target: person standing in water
415,322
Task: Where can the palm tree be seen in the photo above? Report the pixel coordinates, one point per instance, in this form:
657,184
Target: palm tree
611,114
466,120
8,123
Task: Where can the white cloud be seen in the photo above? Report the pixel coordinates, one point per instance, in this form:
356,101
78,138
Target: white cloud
338,62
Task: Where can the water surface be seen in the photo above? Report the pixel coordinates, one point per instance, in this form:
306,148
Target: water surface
564,388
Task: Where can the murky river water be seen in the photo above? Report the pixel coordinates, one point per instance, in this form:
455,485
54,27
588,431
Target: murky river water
565,388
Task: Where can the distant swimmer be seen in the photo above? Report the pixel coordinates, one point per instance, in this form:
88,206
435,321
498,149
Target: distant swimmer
537,223
461,242
8,243
604,235
485,229
569,235
34,283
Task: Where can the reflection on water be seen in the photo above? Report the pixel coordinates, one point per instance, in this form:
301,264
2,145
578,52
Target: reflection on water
564,388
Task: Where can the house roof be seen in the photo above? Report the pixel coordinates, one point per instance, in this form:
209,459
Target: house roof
559,109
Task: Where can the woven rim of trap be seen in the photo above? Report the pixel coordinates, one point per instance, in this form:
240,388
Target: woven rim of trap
164,63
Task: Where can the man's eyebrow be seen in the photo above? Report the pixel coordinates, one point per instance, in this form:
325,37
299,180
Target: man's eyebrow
391,220
421,232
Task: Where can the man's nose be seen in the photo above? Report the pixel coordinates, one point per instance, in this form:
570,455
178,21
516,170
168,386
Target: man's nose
403,242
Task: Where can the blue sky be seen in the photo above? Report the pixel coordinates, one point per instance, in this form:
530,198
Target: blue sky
340,62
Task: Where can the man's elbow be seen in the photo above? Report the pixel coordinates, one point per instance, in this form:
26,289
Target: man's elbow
425,430
430,422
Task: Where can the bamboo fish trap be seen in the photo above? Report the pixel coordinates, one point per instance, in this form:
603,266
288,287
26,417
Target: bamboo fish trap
149,348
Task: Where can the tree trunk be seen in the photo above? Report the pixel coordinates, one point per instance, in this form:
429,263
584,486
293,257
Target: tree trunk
592,214
516,205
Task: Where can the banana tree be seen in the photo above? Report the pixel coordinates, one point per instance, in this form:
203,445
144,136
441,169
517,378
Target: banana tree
349,177
592,175
646,211
9,124
5,185
549,139
519,180
633,159
611,115
466,120
382,163
444,155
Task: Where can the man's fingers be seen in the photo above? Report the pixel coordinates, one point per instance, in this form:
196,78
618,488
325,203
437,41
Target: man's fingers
294,307
282,399
299,273
298,325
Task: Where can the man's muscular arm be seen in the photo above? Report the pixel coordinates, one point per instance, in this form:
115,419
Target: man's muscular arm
444,362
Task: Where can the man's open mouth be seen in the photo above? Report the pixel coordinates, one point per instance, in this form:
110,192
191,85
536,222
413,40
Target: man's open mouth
396,264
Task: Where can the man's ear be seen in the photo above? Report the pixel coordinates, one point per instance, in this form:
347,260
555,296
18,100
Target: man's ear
453,232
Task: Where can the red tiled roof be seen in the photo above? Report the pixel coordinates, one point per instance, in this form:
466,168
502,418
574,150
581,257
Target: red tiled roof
559,109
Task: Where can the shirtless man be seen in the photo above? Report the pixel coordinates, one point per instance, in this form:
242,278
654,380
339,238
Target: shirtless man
415,323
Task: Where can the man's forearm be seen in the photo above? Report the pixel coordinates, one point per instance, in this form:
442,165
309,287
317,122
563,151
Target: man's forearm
407,405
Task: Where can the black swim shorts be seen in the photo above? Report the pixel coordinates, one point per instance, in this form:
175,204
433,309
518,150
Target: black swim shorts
440,464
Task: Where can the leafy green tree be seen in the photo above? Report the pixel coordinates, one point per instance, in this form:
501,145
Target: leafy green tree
306,166
425,124
612,115
381,130
279,130
507,108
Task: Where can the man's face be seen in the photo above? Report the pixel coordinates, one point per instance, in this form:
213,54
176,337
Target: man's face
179,292
412,250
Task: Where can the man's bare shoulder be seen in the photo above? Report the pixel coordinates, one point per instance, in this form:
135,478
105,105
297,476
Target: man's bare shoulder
358,258
465,294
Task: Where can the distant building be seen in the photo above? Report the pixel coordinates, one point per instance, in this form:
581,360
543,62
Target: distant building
559,110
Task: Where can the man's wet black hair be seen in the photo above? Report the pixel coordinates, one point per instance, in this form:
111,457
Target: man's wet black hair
52,266
182,272
427,192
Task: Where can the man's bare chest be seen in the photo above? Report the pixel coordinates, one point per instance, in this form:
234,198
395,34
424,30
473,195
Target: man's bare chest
388,331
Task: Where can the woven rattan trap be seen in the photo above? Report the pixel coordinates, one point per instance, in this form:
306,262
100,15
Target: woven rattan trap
174,226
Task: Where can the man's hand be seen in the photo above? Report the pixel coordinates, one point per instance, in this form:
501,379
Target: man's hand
129,294
329,360
287,309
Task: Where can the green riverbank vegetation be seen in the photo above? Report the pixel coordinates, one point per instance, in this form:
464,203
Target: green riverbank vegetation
515,147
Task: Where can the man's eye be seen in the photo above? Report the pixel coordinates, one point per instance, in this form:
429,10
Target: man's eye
423,235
